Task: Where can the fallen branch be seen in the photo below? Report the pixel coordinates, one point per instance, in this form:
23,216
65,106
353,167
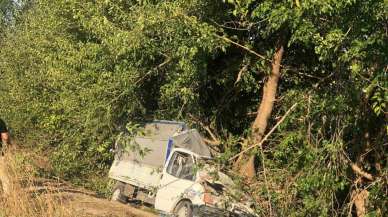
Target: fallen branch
243,69
51,190
211,142
359,199
360,172
214,140
266,136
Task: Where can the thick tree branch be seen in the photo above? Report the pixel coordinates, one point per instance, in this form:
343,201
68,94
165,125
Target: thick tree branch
266,136
214,139
245,48
360,172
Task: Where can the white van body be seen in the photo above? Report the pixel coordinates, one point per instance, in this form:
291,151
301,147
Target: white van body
167,175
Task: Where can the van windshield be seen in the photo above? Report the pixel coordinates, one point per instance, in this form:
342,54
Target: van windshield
181,166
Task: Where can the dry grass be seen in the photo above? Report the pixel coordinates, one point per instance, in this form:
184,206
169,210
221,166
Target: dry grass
28,195
24,196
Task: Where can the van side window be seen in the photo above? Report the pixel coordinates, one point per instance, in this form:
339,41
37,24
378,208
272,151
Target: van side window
181,166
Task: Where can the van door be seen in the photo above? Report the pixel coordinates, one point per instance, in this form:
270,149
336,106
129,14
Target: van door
178,177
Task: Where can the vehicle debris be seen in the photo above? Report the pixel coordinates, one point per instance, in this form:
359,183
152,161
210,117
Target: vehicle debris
174,175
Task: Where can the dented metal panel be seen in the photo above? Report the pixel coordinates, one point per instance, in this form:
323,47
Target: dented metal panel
154,152
163,129
137,174
191,140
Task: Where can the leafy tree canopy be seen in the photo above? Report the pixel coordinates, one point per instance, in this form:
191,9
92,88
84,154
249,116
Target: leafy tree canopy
74,73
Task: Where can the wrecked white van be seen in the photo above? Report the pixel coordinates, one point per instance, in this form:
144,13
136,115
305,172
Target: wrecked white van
169,170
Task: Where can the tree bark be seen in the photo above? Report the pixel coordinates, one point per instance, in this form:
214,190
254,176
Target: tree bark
360,198
264,111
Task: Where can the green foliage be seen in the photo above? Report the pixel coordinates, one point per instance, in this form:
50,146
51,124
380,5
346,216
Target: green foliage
74,73
83,70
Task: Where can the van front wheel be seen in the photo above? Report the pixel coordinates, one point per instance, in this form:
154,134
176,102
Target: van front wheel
184,209
118,193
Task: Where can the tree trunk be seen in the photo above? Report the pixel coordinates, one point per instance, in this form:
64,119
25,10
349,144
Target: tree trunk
264,111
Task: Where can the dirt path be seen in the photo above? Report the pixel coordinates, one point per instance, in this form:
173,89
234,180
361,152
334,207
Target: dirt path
22,195
85,205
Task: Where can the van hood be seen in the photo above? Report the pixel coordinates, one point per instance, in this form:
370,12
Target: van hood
223,193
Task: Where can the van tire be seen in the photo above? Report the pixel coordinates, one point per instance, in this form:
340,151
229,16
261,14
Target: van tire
184,209
118,193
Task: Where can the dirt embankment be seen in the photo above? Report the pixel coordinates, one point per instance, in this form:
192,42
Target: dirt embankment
85,205
23,195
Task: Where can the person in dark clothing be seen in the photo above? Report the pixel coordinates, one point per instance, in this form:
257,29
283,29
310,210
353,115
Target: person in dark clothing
4,135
